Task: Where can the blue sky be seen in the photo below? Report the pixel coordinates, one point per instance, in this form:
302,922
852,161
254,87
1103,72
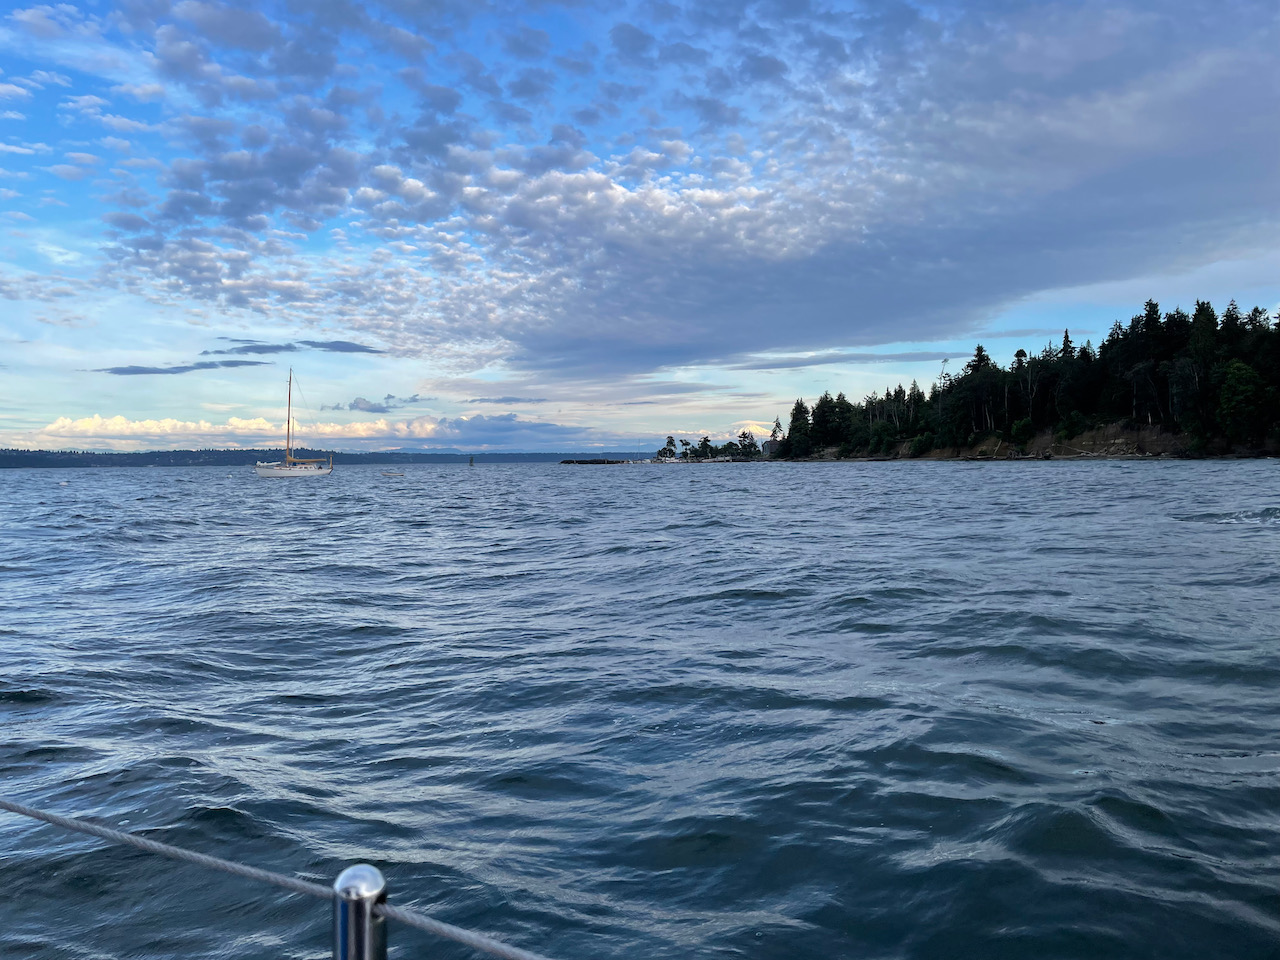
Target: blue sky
560,226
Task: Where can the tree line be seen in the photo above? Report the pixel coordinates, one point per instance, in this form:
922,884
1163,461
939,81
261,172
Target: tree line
744,448
1214,378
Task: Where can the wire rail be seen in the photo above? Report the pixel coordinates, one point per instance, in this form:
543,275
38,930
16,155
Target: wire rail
410,918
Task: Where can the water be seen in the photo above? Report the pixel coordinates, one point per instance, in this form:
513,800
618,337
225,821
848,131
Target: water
742,710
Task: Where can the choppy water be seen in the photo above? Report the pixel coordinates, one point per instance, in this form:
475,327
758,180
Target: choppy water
741,710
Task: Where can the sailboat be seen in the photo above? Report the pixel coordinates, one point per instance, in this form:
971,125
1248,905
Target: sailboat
292,466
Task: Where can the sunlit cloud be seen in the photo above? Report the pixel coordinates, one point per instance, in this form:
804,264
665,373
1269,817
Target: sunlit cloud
506,431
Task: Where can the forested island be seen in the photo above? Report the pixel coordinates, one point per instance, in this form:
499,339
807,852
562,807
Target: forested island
1167,383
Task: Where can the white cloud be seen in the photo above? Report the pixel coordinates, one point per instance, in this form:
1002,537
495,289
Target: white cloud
116,427
480,432
57,254
67,171
125,124
146,92
86,103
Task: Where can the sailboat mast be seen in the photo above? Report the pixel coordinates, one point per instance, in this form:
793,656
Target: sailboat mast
288,430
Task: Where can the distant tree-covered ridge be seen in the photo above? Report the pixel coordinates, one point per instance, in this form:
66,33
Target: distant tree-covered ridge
1214,381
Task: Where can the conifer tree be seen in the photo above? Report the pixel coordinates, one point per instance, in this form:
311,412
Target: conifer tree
799,440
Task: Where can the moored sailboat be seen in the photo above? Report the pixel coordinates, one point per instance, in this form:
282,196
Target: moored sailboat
292,466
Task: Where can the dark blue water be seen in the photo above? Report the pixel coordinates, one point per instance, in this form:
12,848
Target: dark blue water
740,710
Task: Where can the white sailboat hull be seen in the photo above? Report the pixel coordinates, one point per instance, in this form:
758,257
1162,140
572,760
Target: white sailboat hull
292,469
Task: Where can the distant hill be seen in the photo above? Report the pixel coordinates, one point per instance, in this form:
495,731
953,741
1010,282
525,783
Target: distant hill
244,458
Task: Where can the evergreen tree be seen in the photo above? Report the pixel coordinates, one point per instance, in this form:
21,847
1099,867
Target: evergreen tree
824,422
846,417
1151,319
1203,356
1216,379
1231,331
981,361
799,441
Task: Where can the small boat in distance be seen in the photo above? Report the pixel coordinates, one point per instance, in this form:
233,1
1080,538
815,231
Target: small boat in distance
391,473
292,466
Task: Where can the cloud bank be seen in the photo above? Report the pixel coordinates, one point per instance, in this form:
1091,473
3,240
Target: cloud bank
555,194
502,432
802,176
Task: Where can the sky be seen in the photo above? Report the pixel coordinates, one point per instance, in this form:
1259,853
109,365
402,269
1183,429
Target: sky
574,226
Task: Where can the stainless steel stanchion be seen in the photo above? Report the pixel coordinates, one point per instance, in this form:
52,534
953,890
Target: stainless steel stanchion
357,933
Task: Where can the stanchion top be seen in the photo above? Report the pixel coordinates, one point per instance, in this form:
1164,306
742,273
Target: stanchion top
360,882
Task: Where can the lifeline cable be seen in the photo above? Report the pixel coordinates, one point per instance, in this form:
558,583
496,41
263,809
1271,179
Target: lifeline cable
457,934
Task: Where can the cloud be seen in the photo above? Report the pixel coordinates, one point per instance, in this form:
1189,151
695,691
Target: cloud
507,400
139,371
527,43
385,405
126,221
339,346
106,428
632,44
254,348
328,346
743,185
757,67
67,171
231,26
841,357
507,432
145,92
72,321
47,78
49,22
125,124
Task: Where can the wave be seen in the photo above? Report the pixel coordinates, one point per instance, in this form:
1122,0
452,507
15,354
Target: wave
1267,516
805,713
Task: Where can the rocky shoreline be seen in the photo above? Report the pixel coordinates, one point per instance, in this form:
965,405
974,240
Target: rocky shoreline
1110,442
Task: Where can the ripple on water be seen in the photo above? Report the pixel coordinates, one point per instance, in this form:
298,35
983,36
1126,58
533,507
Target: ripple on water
915,710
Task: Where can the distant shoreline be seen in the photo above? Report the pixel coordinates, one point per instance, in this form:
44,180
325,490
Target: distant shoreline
1110,442
11,459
